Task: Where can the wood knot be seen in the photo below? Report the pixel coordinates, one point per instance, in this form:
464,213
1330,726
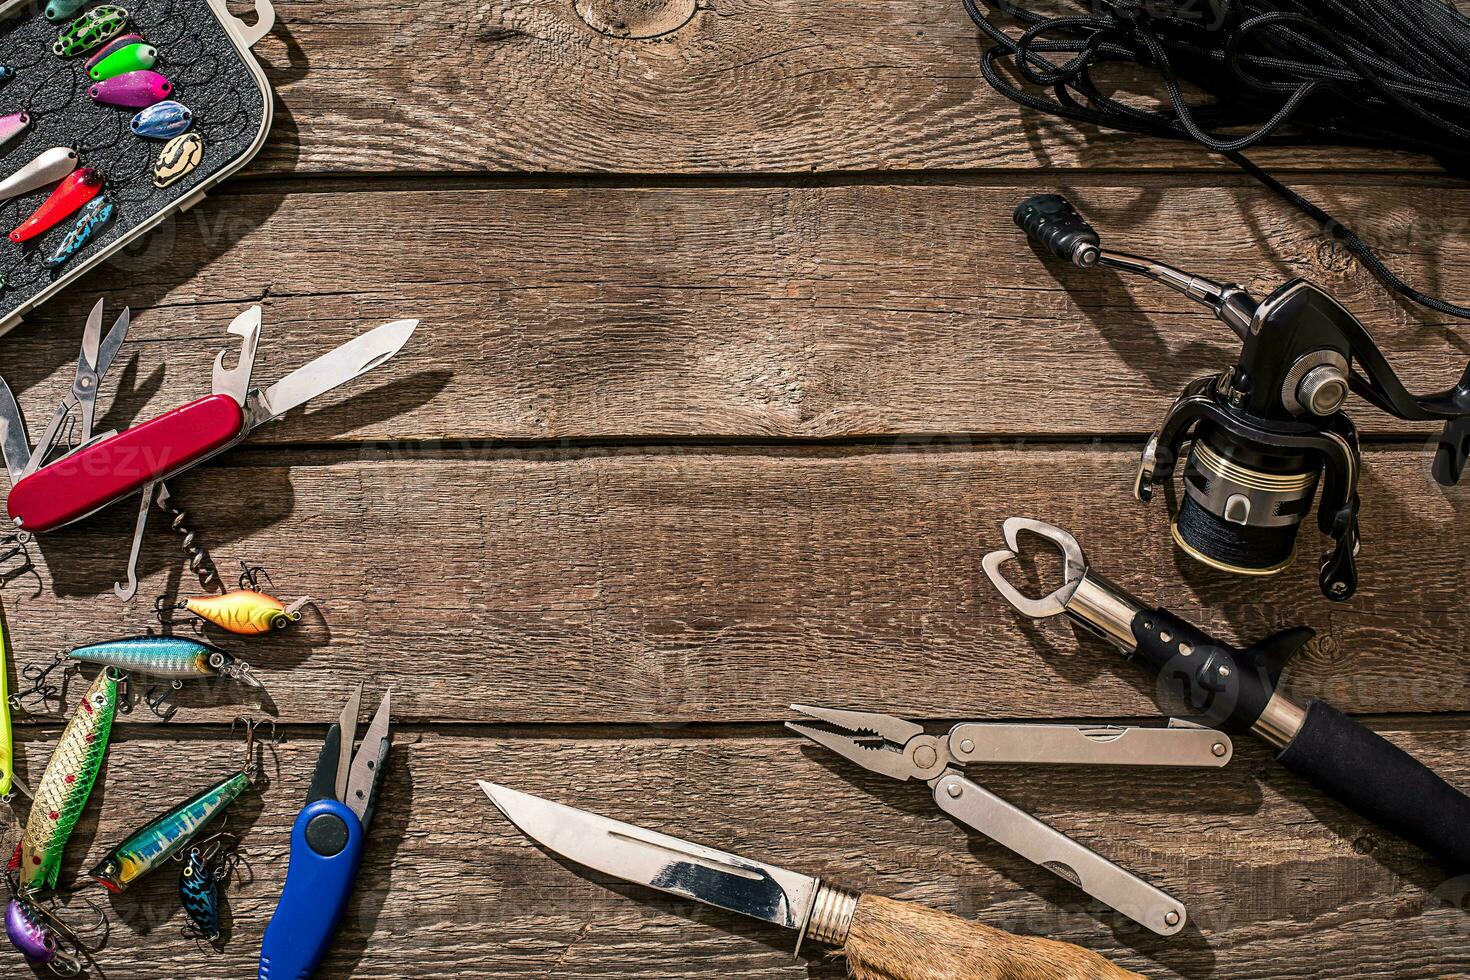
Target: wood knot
636,20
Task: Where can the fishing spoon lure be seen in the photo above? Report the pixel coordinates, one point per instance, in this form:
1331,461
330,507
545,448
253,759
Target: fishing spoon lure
245,611
66,785
97,26
165,836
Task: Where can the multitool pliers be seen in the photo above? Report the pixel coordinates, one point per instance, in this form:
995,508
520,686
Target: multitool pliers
900,749
1239,688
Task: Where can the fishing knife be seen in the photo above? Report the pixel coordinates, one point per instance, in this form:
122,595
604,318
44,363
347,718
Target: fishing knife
880,938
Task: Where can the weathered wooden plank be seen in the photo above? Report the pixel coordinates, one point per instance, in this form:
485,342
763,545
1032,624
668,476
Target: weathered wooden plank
1279,881
735,85
721,586
862,310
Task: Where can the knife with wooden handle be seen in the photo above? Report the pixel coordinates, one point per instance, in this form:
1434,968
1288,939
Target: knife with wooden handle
882,939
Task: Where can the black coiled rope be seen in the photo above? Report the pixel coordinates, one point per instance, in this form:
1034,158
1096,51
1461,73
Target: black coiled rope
1392,74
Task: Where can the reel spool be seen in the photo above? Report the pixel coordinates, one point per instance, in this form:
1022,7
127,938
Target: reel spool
1269,434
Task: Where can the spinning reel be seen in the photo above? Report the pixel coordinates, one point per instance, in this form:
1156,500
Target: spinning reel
1263,433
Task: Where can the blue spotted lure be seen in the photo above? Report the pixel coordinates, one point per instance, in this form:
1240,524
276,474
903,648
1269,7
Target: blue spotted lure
97,213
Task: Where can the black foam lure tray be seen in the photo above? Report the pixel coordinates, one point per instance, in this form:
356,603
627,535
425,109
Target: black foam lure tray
203,50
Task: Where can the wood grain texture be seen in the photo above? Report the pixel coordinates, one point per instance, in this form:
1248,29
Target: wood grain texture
810,312
720,86
1279,882
683,586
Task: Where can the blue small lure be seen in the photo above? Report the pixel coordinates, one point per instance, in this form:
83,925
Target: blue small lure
163,120
97,213
62,9
199,892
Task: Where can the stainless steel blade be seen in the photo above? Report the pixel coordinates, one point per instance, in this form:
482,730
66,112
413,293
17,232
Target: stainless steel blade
114,341
364,776
337,367
91,338
14,442
726,881
347,725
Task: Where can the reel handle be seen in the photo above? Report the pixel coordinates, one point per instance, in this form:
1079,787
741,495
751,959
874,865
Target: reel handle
1052,222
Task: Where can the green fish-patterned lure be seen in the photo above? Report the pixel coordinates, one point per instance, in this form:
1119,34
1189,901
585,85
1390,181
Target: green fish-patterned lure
167,835
97,26
63,792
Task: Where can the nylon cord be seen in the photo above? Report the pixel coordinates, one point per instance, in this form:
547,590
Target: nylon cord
1388,74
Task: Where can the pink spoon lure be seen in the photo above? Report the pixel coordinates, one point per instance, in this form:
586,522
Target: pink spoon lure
135,90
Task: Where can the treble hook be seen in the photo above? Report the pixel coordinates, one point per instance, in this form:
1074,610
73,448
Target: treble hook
250,576
40,690
164,610
157,702
16,546
252,768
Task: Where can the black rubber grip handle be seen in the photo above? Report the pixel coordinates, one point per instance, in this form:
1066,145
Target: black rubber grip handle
1382,782
1052,222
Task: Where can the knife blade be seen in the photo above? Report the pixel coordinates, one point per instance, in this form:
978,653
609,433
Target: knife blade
14,442
878,936
726,881
336,367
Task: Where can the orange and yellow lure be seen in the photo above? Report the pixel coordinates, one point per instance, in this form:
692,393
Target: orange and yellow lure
245,612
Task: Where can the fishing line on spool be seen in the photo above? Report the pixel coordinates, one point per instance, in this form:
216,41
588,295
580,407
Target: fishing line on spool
1390,74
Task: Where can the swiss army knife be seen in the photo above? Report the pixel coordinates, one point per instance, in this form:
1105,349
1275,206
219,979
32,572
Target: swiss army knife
54,485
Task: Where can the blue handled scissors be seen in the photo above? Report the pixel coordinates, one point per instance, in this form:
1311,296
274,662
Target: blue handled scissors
326,845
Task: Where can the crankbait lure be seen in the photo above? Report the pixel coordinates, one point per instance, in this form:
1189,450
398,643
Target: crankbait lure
178,158
135,90
63,792
163,121
58,10
111,48
13,125
245,611
96,26
164,837
199,892
32,938
47,168
77,189
133,57
97,213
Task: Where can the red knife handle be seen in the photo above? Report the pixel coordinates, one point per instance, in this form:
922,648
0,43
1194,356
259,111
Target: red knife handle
113,468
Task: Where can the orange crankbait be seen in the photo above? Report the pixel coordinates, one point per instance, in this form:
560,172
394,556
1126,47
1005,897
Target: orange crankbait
246,611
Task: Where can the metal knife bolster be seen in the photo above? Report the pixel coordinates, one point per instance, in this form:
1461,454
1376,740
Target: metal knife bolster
829,919
1224,683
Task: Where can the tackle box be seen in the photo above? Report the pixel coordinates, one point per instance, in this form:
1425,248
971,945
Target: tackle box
203,50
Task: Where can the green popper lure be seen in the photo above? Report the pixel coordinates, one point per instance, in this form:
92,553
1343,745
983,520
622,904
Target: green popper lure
165,836
63,792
